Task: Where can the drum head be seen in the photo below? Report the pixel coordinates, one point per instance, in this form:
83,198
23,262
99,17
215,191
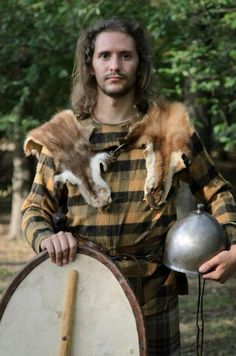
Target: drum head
107,318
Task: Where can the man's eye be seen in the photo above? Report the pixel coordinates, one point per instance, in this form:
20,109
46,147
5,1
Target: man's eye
104,55
126,56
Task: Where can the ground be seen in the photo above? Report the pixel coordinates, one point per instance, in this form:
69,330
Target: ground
219,318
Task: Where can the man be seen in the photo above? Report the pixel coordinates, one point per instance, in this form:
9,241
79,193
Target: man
111,94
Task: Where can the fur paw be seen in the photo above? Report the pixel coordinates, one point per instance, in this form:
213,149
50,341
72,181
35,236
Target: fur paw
98,159
67,176
150,185
103,197
155,199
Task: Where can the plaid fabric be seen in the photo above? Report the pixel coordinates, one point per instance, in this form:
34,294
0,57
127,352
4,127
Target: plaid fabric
162,331
128,220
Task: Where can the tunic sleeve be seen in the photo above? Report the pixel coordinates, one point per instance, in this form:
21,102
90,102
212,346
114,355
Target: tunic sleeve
209,187
40,204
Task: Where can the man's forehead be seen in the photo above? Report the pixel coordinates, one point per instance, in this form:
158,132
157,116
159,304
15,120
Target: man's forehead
108,41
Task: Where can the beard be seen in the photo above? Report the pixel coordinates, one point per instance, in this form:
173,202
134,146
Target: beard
117,90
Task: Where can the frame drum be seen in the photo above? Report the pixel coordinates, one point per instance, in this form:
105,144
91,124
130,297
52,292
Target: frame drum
107,319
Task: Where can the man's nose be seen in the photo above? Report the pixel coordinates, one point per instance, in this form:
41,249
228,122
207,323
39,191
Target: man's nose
114,63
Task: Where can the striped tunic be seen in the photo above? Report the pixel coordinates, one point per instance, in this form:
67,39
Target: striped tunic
128,220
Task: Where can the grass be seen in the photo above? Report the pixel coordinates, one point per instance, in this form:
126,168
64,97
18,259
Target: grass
6,274
219,318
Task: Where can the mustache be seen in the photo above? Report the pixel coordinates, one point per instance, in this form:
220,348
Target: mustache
117,75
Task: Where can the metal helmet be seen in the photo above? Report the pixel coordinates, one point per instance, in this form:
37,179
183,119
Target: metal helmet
193,240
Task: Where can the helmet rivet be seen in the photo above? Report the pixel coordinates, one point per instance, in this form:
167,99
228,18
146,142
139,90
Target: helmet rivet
200,208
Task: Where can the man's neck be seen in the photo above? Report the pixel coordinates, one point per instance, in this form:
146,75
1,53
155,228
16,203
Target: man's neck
114,110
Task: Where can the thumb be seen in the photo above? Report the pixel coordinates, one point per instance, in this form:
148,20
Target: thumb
43,244
208,266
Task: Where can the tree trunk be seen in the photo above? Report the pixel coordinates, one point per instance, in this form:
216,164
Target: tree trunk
21,180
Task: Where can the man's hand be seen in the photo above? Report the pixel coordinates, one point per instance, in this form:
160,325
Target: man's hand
61,247
221,267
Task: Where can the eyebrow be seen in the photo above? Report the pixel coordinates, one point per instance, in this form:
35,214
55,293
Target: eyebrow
109,51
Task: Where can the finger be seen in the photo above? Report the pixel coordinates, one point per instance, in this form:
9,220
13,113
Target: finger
65,247
208,266
42,244
58,249
209,276
48,245
217,276
73,246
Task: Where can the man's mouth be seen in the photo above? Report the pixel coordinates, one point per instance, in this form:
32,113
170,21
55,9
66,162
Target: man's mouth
114,77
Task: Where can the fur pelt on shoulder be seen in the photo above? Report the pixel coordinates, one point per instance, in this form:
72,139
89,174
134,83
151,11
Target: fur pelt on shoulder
67,141
165,132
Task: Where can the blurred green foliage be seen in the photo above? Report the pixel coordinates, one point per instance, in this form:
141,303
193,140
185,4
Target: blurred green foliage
194,52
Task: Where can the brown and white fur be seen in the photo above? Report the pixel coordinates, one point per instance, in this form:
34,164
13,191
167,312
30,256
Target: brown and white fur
165,132
68,143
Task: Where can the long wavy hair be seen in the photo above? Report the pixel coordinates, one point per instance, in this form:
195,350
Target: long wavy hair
84,86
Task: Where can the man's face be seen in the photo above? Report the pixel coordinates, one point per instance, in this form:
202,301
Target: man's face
114,63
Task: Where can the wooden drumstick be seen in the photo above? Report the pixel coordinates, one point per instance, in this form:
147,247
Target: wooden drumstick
68,313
